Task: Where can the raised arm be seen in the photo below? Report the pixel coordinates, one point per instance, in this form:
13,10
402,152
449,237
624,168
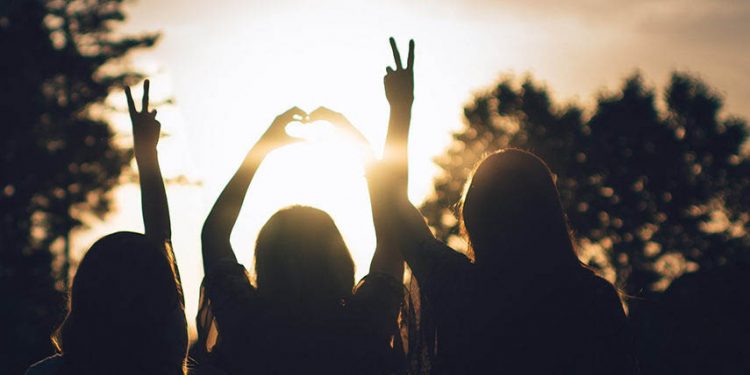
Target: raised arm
387,259
344,126
146,130
399,90
409,231
220,221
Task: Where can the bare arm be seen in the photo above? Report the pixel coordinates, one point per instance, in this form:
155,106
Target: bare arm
412,228
220,221
409,230
146,130
399,90
387,259
390,176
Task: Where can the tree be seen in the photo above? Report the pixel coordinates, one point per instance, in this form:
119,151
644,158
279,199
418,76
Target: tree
61,59
658,192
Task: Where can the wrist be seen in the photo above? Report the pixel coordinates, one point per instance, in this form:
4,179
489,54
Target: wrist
401,107
261,149
145,155
144,146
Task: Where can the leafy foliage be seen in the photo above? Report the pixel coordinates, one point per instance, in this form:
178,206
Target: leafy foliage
60,62
658,192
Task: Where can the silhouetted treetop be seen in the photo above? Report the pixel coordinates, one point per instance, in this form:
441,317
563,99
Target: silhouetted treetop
659,185
60,61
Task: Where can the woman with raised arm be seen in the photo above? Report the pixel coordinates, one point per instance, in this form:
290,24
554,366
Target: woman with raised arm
126,313
302,316
523,303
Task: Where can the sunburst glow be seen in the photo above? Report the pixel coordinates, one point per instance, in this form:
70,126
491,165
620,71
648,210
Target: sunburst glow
324,171
232,66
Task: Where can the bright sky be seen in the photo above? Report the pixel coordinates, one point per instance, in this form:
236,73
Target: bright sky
231,66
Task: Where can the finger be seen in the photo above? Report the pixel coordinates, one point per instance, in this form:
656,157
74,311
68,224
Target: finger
153,113
291,139
389,70
131,103
320,112
333,117
396,55
410,57
312,116
296,111
144,106
291,113
319,115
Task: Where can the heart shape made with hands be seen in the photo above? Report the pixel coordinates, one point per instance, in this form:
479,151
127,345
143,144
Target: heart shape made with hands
310,130
321,124
324,126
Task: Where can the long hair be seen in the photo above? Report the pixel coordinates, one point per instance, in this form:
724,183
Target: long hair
302,260
126,313
511,214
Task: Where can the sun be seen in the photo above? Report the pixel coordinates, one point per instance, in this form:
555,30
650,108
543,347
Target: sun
324,171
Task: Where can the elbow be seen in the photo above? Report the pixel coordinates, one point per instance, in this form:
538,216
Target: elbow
208,232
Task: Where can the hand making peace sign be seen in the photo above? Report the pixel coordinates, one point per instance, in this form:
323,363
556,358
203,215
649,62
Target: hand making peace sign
399,83
146,129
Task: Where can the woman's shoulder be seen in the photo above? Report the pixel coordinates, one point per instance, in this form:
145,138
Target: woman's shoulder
48,366
377,288
601,289
604,307
379,280
227,276
444,261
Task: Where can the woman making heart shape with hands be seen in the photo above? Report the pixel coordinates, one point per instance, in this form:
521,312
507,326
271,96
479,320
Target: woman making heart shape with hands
305,314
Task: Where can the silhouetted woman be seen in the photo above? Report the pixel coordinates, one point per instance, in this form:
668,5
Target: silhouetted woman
126,307
525,304
302,316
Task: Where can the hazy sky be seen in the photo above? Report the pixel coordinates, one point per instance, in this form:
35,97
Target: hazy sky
231,66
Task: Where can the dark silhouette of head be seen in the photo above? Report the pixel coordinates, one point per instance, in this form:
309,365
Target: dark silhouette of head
302,260
512,216
126,310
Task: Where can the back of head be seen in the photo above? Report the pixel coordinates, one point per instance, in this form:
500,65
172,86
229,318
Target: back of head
512,216
302,260
126,310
